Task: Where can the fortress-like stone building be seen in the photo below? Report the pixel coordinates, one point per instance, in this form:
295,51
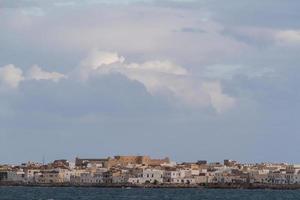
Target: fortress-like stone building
121,161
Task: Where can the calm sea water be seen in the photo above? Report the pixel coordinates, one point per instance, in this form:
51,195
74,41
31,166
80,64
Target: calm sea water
26,193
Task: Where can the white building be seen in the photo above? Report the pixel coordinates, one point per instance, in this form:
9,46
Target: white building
16,176
90,178
31,174
292,178
204,178
171,176
54,176
278,178
147,176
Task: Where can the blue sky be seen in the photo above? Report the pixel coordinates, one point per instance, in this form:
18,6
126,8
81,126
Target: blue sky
192,80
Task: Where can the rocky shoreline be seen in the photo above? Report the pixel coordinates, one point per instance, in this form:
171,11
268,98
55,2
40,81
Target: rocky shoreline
174,186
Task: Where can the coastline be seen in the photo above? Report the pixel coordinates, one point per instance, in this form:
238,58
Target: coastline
163,186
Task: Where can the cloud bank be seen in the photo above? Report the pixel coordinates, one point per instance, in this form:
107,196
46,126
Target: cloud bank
171,73
11,76
161,77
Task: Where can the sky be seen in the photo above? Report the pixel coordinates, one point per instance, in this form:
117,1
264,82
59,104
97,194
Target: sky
192,80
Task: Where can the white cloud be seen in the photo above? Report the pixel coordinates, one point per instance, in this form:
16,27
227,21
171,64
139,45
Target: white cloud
11,76
137,30
219,101
288,37
159,66
97,59
161,77
158,77
36,73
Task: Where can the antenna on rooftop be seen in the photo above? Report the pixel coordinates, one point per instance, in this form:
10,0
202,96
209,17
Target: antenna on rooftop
43,159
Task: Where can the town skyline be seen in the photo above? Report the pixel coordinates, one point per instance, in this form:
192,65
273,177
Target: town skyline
145,171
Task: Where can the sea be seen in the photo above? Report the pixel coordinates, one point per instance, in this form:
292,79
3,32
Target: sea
37,193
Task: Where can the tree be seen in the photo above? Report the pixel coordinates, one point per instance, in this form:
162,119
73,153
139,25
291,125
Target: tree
155,182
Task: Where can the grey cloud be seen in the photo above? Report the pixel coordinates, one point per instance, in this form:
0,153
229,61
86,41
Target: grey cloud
108,94
269,13
18,3
192,30
111,114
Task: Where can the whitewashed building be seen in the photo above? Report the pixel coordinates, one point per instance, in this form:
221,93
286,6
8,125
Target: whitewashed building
147,176
16,176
